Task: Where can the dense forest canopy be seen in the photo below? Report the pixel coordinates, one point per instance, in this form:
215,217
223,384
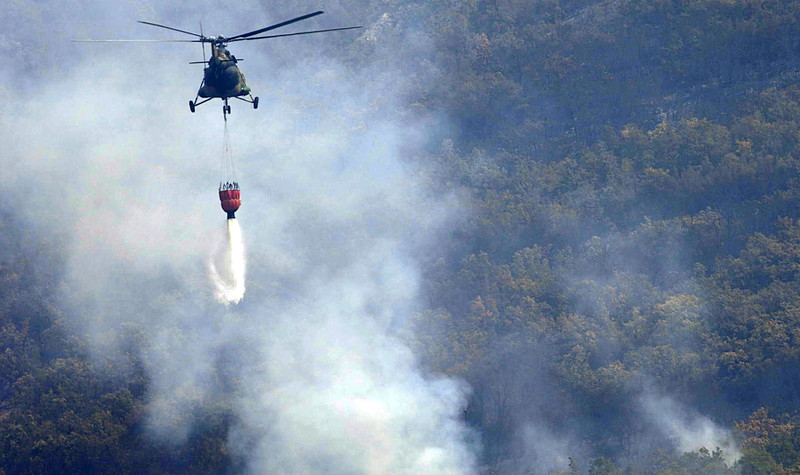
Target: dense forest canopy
617,285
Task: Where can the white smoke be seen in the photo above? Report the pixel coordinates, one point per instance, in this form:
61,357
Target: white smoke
335,394
227,265
689,430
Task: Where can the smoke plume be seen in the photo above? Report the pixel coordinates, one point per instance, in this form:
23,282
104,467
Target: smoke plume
687,429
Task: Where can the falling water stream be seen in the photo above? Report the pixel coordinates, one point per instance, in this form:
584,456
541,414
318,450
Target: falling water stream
227,265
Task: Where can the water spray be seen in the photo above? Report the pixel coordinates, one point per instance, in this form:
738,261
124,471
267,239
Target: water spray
227,265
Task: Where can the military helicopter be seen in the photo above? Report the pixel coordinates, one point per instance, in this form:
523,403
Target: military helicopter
222,78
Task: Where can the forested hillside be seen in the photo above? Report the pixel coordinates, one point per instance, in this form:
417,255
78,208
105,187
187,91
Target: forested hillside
621,292
633,173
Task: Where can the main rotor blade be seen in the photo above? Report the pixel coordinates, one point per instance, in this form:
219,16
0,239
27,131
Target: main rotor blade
295,34
136,41
171,28
203,44
276,25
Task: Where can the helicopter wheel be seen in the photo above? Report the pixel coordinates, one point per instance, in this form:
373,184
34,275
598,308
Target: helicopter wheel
255,103
227,109
191,106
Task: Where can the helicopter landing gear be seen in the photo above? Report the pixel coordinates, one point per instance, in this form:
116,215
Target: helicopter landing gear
193,105
226,109
252,100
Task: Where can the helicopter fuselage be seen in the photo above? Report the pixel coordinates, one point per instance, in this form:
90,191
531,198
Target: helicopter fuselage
222,77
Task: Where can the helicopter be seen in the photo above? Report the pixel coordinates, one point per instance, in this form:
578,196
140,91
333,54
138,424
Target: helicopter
222,78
